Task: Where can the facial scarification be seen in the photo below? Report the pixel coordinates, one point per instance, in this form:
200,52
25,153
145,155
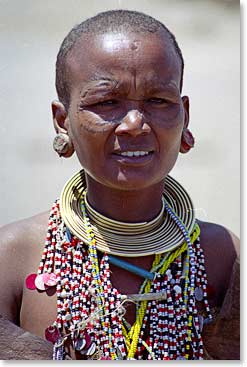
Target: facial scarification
126,97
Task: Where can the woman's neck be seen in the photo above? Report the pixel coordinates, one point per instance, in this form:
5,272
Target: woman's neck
126,206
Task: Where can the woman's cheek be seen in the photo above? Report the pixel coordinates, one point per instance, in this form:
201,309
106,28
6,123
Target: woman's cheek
93,123
170,117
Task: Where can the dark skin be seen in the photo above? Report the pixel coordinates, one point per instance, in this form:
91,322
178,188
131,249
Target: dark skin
125,97
137,107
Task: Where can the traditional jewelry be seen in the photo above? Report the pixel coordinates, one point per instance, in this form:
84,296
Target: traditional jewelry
128,239
131,268
63,145
187,141
91,312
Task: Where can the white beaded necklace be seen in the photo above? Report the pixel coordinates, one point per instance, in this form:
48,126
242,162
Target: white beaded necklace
90,311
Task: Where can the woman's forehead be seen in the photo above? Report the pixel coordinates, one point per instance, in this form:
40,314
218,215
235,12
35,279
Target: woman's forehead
115,43
116,54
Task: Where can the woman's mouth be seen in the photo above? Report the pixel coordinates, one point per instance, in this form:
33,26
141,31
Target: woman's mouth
137,153
135,157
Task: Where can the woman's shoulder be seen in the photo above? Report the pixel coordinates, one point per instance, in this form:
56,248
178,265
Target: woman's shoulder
21,245
219,240
24,231
21,242
221,248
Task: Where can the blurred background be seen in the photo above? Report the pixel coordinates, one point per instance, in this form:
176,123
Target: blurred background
208,33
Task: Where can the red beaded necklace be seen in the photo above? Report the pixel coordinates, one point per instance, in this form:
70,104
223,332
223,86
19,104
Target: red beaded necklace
90,312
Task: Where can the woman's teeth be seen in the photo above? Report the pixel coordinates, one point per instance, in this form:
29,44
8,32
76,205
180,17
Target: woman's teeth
134,154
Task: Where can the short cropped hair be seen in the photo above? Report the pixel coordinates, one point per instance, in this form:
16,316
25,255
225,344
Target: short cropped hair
109,21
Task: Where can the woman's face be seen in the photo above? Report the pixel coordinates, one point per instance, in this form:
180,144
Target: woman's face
126,114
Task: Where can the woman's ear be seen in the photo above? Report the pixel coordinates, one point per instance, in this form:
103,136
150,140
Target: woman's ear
59,115
187,139
62,142
186,104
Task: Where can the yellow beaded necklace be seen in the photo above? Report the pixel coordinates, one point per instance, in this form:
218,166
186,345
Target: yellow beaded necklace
132,335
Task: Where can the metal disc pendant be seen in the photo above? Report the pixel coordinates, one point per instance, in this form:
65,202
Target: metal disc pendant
30,281
50,279
52,334
198,293
201,321
91,350
80,344
40,285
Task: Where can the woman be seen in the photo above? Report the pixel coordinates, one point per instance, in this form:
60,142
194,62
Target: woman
123,274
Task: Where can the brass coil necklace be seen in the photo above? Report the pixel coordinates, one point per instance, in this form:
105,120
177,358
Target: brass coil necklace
157,236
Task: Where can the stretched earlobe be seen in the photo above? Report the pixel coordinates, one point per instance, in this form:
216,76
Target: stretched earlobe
62,143
187,141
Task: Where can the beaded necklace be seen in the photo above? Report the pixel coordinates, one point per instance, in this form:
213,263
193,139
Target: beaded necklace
90,311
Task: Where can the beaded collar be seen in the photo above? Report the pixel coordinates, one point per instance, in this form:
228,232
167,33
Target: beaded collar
90,311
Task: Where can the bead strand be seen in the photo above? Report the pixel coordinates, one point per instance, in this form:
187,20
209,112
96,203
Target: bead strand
164,329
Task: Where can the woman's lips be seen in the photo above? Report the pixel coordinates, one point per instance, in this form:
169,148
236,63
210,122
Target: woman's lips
136,157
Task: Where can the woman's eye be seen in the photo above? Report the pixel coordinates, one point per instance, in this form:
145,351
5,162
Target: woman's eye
158,101
99,104
109,102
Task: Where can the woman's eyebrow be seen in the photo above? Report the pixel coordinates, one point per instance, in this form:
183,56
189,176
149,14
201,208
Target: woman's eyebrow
109,83
98,77
95,83
163,87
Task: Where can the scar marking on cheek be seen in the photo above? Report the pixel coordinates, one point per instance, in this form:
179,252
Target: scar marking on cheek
96,127
133,47
94,131
171,121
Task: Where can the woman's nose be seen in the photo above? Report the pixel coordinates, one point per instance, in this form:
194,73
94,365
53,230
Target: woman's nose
133,124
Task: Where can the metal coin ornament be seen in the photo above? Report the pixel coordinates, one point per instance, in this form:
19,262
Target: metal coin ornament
201,321
30,281
39,283
177,289
52,334
50,279
198,294
88,339
85,345
80,344
91,350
